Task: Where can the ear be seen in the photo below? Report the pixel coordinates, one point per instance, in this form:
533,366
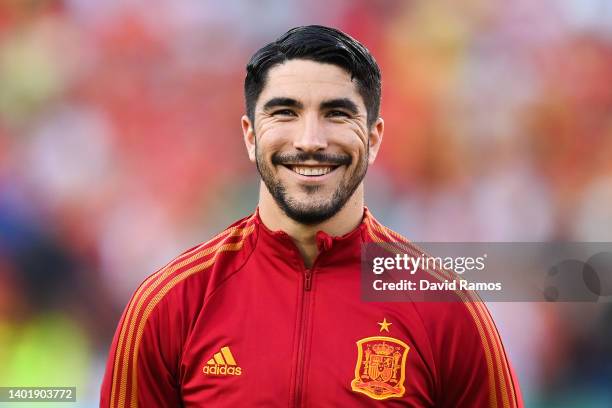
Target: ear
375,138
249,137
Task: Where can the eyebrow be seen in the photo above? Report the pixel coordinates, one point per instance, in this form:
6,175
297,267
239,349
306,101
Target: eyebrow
288,102
343,103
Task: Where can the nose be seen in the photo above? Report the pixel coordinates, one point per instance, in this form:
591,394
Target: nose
310,137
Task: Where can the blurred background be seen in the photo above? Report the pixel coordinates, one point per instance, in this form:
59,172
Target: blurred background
120,146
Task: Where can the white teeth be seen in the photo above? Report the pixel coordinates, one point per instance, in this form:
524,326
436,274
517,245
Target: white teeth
311,171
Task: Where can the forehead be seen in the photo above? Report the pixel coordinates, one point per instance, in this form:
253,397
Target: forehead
306,81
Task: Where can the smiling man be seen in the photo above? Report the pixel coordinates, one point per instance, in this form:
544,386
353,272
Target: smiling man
268,313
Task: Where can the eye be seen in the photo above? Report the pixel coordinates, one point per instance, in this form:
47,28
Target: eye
337,114
284,112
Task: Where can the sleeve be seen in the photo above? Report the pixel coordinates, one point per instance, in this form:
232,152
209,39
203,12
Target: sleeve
141,369
473,368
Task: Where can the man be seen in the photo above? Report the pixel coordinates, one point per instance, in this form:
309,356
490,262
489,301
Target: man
268,313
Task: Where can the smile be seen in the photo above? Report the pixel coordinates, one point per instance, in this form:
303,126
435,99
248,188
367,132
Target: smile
311,171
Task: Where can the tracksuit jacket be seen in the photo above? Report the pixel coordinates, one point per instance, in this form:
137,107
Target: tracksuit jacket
239,321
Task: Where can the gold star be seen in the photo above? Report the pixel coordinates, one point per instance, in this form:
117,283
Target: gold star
384,325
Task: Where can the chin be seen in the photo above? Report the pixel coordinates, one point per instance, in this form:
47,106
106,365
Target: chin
311,201
309,211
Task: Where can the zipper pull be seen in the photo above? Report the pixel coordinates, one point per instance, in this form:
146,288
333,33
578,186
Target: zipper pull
307,279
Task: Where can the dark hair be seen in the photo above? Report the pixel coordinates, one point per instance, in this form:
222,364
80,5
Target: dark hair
320,44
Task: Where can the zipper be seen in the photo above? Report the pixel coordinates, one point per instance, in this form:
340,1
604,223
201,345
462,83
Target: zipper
305,303
307,280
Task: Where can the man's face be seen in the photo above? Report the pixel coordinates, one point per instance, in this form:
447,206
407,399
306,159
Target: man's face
310,138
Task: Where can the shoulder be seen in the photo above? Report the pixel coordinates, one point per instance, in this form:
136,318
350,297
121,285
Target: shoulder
206,263
376,232
183,282
444,313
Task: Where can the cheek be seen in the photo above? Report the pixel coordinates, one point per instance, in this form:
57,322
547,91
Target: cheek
354,144
351,135
266,148
273,140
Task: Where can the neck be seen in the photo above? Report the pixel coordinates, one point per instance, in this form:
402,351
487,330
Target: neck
304,236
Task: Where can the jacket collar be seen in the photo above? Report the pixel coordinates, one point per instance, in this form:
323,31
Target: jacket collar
333,250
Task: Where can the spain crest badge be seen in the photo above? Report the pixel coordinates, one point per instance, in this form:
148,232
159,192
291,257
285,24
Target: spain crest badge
381,367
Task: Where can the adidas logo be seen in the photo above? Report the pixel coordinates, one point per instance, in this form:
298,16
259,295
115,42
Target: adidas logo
222,363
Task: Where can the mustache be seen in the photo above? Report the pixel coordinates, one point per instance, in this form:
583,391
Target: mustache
300,157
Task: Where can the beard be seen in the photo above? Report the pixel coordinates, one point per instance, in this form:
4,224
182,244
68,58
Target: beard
310,211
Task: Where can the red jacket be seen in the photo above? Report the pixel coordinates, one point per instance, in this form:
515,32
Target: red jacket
240,322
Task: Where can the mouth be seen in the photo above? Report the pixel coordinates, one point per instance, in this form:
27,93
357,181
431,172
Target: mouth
311,171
